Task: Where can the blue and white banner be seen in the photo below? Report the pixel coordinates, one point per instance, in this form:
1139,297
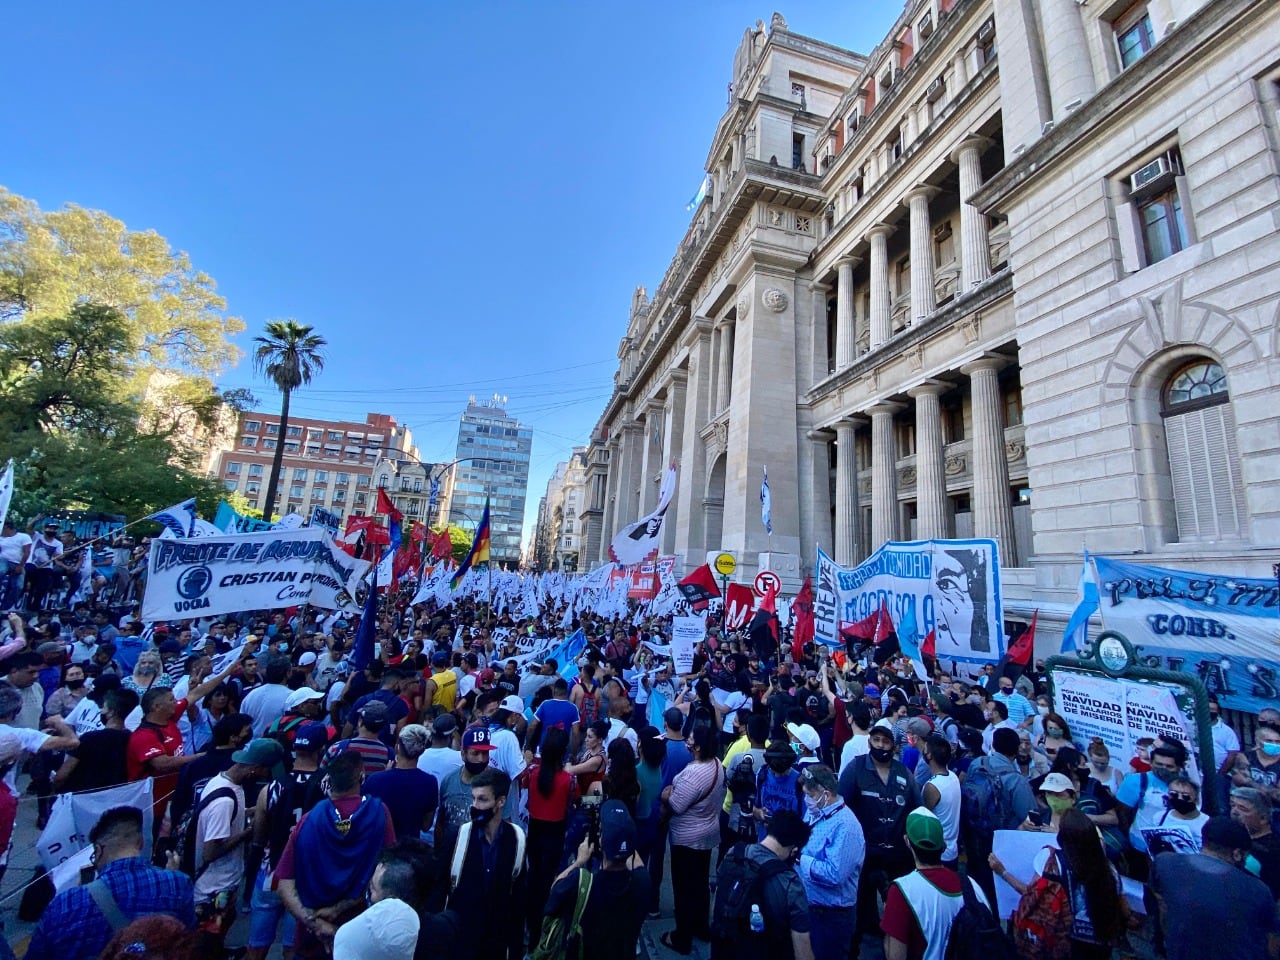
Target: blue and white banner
326,519
6,490
229,521
950,588
826,601
63,845
250,571
1224,629
178,519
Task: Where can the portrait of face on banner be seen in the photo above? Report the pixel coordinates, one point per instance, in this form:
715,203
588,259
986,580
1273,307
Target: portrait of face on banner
950,588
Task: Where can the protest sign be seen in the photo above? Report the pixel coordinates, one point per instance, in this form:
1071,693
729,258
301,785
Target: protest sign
252,571
1018,849
1222,629
328,520
686,633
66,834
1122,711
229,521
950,588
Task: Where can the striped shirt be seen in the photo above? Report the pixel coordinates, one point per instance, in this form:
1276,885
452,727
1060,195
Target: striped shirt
697,794
1019,707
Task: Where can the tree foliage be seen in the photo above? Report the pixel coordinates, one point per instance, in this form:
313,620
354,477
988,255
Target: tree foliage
289,354
52,261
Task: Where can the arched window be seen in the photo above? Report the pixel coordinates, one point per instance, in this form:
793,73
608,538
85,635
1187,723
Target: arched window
1204,464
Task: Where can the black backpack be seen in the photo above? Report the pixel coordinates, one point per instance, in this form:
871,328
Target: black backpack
976,934
740,885
184,836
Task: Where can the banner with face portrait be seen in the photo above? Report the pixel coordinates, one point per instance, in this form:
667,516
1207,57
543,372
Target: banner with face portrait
950,588
267,570
641,540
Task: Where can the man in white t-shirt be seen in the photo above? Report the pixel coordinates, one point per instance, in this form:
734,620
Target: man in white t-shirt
32,741
441,758
42,577
221,832
15,547
1225,741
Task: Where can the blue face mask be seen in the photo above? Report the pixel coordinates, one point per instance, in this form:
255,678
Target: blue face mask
1270,749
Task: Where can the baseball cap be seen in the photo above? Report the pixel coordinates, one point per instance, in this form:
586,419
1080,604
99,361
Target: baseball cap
262,752
512,703
310,736
617,831
50,646
805,734
170,646
301,696
487,675
882,724
374,714
440,660
444,725
924,830
1057,783
477,738
919,727
388,929
307,659
871,690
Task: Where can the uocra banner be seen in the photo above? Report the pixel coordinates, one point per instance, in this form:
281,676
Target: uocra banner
1224,629
249,571
949,587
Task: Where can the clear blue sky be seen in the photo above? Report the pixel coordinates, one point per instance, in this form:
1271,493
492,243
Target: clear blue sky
460,197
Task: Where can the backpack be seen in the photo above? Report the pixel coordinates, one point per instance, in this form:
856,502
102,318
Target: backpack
562,940
984,808
742,785
280,729
590,707
1043,920
976,933
740,886
184,836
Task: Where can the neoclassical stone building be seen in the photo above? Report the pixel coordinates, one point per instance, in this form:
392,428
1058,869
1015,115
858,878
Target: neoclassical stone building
1013,274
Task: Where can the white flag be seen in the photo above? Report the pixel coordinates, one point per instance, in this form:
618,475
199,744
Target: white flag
6,490
180,518
637,542
766,504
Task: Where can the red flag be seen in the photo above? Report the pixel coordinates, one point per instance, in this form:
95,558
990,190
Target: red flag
928,647
406,561
441,545
875,627
699,587
804,628
1021,649
738,603
418,531
385,505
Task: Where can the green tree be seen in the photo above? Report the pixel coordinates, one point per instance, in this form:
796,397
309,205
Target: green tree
241,505
51,261
461,542
289,355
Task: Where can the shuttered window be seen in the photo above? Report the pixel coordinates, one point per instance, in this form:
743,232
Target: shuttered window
1204,464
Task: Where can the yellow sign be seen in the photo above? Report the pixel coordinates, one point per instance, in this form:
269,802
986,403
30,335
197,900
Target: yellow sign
725,564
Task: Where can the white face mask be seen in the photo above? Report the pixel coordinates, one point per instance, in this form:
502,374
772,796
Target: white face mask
1042,710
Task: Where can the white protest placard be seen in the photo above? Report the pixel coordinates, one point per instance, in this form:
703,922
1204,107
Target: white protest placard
265,570
686,633
1018,849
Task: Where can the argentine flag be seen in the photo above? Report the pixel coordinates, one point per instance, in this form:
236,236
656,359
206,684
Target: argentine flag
1086,605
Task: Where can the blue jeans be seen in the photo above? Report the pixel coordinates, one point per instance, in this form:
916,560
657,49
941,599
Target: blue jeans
266,910
10,584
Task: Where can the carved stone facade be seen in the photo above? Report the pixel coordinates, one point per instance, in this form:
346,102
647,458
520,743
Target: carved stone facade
957,314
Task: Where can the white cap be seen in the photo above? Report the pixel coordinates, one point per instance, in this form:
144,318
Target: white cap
301,696
307,659
883,724
388,929
512,703
805,734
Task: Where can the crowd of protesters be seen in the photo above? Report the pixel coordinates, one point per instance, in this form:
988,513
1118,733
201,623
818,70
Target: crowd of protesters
452,797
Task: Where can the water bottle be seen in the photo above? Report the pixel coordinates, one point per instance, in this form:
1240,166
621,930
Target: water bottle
757,919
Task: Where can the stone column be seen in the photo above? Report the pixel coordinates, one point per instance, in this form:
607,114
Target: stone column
992,511
654,429
815,492
880,302
628,505
884,475
924,297
848,512
931,487
820,366
1066,54
724,377
846,335
607,527
672,444
714,372
975,247
691,452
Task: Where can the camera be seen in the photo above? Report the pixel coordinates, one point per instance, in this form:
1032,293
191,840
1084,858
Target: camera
591,807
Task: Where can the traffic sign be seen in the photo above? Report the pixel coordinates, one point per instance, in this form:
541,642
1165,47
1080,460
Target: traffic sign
767,580
725,564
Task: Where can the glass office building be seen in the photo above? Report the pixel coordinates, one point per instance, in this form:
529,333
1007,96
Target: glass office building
493,450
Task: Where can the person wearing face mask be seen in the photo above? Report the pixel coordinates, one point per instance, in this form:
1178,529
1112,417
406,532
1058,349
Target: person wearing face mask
147,673
1261,765
455,789
1018,708
72,690
1142,795
830,864
487,875
881,792
1238,920
1058,793
330,857
1178,828
1101,769
1251,808
1226,744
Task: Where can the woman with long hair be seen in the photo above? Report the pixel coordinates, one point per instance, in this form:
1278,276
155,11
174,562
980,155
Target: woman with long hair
217,703
148,672
695,798
1056,735
69,693
621,781
549,788
591,760
1100,912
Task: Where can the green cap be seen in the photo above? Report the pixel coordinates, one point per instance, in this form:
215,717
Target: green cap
924,830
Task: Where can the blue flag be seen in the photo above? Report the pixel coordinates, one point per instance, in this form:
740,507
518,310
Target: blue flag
1077,631
362,649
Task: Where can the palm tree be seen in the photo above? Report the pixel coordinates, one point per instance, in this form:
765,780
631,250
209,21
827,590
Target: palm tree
289,355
